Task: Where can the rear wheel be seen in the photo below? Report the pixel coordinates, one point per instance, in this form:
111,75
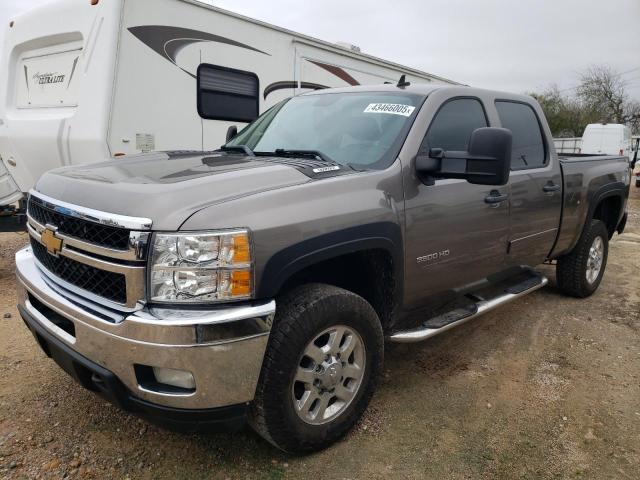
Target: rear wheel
580,272
638,181
320,370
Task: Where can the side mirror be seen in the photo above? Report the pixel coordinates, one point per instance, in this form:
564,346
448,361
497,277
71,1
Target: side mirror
488,161
232,131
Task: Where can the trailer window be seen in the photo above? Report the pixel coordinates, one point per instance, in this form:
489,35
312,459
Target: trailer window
227,94
528,144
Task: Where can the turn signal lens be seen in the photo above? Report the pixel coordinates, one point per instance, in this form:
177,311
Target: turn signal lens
240,283
241,248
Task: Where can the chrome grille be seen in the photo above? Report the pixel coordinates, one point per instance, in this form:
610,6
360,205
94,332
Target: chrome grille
109,285
95,254
103,235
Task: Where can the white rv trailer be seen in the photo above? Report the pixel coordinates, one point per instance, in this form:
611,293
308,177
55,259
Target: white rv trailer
82,80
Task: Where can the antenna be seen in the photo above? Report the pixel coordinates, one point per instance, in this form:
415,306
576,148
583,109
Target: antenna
402,82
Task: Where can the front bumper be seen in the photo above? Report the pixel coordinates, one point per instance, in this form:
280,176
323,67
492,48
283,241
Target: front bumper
222,348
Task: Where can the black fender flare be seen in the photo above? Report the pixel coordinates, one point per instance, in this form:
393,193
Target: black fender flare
287,262
616,189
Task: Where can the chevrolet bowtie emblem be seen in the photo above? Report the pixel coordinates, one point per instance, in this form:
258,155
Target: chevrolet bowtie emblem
49,240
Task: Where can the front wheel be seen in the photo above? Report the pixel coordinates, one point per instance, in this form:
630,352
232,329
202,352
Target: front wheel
320,370
580,272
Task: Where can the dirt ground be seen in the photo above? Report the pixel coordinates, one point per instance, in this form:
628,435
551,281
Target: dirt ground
547,387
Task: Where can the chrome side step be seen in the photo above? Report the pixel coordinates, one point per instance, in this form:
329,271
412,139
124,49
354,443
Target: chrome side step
425,331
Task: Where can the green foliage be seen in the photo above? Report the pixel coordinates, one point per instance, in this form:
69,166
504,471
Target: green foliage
566,115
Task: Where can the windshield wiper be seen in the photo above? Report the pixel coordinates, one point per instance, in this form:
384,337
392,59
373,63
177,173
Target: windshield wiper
238,148
283,152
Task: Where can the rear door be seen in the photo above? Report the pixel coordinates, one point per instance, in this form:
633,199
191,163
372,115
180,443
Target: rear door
535,185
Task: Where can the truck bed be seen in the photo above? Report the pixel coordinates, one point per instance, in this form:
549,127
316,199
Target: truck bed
586,180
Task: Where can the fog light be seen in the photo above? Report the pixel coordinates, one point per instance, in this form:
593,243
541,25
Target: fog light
175,378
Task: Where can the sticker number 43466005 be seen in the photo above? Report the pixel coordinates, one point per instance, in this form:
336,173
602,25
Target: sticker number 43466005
393,108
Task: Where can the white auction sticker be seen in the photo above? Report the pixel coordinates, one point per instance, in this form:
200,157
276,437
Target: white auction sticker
393,108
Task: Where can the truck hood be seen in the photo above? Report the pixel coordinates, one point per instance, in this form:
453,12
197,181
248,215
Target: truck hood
167,187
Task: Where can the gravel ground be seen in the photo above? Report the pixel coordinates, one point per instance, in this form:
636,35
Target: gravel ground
546,387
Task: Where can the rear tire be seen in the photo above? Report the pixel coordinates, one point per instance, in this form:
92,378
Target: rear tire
580,272
638,182
318,321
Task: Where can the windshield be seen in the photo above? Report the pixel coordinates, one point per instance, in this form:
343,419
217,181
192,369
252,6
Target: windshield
363,130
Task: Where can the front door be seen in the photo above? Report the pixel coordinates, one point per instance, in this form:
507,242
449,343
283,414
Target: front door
456,233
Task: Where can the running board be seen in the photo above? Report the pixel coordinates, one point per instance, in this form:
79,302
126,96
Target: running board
449,320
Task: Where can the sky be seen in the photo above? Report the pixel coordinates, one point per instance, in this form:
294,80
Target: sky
513,45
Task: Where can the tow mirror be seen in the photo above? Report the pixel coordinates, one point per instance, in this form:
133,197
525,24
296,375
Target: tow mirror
487,162
232,131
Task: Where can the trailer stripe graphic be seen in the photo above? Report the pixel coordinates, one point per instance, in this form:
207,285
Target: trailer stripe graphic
75,64
167,41
337,71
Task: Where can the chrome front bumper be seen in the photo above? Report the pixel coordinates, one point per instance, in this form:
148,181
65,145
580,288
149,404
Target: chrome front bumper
222,348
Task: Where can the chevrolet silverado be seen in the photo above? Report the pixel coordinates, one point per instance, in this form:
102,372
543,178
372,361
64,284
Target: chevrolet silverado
260,282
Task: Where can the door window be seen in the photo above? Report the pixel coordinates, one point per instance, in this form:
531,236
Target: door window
528,145
453,125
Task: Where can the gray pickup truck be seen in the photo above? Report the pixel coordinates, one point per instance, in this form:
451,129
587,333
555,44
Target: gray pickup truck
260,282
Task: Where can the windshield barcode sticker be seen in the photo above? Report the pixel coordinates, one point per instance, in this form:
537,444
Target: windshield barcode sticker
393,108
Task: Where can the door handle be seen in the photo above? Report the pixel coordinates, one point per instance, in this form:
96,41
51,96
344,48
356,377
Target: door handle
551,188
495,197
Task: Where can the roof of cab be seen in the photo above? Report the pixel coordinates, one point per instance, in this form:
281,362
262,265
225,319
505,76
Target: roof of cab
425,89
419,88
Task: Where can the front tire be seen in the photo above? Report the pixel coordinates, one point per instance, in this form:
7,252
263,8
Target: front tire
322,364
580,272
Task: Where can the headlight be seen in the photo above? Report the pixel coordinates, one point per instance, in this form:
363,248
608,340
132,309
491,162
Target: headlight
201,267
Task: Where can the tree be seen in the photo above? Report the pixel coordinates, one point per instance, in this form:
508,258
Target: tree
632,116
566,115
603,92
601,97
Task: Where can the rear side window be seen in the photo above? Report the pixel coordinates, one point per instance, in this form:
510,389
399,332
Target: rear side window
227,94
528,144
453,125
